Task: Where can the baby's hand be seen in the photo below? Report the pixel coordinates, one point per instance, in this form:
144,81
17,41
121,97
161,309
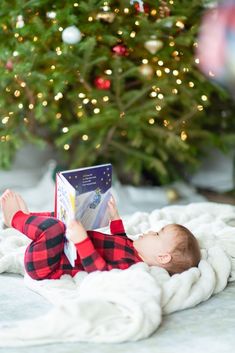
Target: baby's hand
113,212
76,232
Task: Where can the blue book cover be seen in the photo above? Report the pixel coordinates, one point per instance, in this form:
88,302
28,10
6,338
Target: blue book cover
83,194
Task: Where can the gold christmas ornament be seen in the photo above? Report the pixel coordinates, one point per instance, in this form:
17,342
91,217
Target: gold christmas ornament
153,45
172,195
146,70
105,16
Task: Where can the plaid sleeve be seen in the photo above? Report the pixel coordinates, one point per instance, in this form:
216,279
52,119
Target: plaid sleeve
92,261
117,227
90,258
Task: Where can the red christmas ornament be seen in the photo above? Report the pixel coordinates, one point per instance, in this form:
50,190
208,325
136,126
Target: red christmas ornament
9,65
138,9
102,83
120,50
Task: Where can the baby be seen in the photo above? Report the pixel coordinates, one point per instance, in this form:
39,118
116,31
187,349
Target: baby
173,247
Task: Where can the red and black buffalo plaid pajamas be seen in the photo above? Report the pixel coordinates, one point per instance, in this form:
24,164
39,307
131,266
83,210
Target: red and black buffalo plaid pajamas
45,258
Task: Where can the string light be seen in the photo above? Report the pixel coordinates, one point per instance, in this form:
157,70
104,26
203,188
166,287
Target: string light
97,146
108,72
65,129
85,137
126,10
178,81
159,73
39,95
160,63
94,101
175,72
200,108
204,98
151,121
58,115
80,114
90,19
175,53
86,101
20,106
133,34
197,61
183,136
58,96
31,106
153,94
174,90
145,61
81,95
105,98
17,93
180,24
158,108
96,110
44,103
191,84
66,147
160,96
5,119
166,122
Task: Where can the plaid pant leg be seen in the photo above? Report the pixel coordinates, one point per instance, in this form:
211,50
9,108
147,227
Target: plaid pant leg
43,255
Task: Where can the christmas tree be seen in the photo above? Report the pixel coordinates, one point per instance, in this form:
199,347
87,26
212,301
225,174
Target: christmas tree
109,81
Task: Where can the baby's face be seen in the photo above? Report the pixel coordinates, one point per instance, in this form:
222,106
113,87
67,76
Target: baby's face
152,244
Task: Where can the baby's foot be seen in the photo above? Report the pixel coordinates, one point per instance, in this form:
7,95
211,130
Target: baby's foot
76,232
22,204
10,206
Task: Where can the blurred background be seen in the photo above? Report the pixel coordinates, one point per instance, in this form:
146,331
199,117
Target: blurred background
145,85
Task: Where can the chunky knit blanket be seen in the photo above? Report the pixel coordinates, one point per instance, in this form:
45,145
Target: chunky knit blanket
118,306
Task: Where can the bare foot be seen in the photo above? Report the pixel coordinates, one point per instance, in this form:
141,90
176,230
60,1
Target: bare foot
76,232
10,205
22,204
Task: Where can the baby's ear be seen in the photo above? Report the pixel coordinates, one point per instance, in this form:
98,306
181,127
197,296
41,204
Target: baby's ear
164,259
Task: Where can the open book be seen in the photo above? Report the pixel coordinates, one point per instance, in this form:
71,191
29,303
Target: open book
83,194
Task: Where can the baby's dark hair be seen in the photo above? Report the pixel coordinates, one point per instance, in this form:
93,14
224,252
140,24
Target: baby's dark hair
186,253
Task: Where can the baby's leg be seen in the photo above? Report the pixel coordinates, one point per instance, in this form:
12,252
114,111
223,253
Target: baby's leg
43,255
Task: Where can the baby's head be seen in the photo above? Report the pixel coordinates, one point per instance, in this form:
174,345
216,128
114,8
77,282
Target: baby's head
173,247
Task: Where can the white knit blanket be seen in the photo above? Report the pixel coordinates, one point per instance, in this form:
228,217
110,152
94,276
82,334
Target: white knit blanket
118,306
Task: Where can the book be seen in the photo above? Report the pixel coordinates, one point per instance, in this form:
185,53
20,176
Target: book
83,194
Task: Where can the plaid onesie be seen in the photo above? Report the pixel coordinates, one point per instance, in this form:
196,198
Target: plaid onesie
45,257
